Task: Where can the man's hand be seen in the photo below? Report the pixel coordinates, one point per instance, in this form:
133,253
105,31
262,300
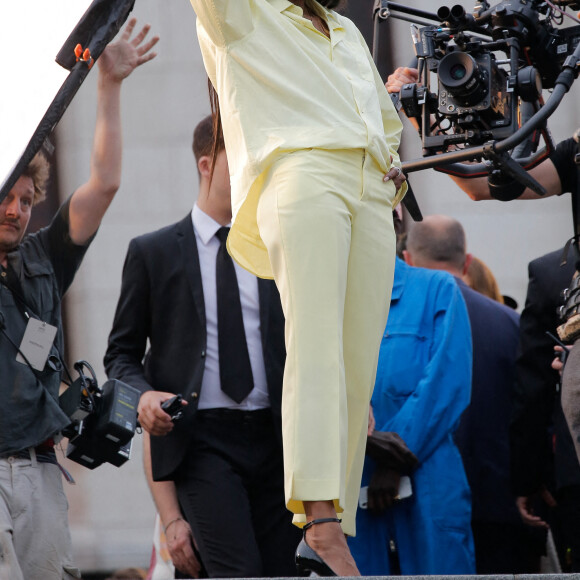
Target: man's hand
121,58
557,363
527,511
151,416
383,489
179,543
402,76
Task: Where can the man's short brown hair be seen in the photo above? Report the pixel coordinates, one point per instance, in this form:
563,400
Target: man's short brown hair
203,139
38,170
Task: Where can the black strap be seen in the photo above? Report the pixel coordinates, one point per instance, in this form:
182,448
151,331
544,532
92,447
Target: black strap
9,280
321,521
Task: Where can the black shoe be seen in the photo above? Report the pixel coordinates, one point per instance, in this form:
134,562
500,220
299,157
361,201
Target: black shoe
308,562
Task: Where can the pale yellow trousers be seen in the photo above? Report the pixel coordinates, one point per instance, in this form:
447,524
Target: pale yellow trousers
326,220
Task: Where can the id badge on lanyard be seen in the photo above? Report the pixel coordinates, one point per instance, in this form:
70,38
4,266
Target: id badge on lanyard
36,343
38,337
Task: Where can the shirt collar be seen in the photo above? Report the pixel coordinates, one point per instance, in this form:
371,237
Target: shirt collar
282,5
205,226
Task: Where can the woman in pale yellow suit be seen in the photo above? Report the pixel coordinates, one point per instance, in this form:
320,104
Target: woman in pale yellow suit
312,138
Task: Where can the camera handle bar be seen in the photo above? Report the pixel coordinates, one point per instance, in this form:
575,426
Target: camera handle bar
380,14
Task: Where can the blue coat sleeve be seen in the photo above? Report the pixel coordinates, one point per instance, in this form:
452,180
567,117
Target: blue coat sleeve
431,412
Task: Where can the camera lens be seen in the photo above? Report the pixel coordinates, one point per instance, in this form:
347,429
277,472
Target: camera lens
457,72
460,74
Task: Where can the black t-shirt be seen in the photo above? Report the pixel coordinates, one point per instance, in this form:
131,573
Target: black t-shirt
563,159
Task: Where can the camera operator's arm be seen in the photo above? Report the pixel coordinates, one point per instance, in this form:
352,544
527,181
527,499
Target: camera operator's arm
402,76
545,174
91,200
177,530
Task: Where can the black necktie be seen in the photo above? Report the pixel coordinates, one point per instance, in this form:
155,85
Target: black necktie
235,369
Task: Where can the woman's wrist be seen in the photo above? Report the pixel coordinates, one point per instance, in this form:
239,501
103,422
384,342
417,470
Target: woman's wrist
172,522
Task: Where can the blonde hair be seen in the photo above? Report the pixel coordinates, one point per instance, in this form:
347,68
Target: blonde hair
38,170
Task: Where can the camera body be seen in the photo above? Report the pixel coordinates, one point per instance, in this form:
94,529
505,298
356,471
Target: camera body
486,64
103,420
474,91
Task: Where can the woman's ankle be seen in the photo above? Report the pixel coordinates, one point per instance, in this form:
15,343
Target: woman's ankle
322,509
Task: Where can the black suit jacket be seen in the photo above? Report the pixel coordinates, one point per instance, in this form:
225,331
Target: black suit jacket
162,302
542,451
482,435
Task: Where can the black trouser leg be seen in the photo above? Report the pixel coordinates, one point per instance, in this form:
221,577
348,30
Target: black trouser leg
566,528
502,548
276,536
231,491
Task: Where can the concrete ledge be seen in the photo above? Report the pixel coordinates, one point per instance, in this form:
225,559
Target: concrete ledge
461,577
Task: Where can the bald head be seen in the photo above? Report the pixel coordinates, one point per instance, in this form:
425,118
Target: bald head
438,242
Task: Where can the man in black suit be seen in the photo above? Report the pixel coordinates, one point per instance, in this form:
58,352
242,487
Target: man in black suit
216,473
503,545
545,469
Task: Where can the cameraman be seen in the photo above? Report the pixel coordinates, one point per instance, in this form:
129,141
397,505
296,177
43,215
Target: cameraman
558,173
35,272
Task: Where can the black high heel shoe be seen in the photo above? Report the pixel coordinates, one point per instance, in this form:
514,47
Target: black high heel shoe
308,562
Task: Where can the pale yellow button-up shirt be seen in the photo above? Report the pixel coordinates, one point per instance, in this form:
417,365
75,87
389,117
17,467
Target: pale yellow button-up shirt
285,86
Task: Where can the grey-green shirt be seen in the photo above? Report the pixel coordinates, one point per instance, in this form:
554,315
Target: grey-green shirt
44,265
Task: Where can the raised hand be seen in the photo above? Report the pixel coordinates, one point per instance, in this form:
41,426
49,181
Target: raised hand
122,57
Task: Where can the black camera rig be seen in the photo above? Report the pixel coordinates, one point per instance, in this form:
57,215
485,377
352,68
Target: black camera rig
481,80
103,420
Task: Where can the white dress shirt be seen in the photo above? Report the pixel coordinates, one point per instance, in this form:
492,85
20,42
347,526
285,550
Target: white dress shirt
212,396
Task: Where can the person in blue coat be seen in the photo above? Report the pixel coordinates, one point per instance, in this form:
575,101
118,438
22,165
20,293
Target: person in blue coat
423,386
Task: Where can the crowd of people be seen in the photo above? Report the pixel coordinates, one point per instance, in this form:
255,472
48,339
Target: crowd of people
356,399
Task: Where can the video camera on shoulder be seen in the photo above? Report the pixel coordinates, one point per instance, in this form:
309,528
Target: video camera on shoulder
103,420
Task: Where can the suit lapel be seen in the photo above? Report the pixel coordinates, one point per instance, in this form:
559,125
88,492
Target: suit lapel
190,258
